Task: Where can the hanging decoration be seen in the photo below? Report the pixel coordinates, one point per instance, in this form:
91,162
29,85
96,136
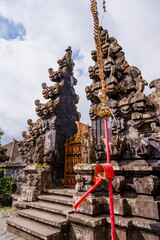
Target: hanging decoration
102,110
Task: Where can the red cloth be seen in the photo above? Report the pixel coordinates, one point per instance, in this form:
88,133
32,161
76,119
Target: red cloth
109,174
97,181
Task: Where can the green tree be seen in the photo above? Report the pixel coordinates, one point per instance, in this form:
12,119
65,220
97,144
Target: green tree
3,156
7,185
1,135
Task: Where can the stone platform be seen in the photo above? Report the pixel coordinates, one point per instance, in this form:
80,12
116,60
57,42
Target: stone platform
53,218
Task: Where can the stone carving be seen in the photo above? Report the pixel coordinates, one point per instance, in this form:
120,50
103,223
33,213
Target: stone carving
35,181
125,105
115,146
156,130
88,144
146,185
133,111
144,148
50,92
82,181
84,177
155,96
119,184
140,84
136,119
111,81
39,150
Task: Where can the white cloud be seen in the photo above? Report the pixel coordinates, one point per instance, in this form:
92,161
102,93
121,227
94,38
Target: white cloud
52,26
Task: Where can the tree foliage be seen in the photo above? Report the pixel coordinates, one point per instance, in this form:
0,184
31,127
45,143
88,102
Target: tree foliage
1,134
7,185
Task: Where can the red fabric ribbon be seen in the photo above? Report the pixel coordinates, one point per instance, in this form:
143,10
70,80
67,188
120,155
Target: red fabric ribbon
97,182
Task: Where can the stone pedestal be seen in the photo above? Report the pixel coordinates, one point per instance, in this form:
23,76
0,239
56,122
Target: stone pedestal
84,177
94,203
99,227
30,180
87,227
136,203
15,170
37,179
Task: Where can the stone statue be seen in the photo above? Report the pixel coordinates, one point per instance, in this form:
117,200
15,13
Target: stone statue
156,130
144,148
88,144
39,150
155,96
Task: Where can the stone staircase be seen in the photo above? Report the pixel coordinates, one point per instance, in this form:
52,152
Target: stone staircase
45,219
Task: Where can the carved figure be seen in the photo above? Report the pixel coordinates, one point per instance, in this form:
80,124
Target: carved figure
155,96
144,148
156,130
115,146
88,144
111,82
140,84
125,105
53,122
39,150
80,183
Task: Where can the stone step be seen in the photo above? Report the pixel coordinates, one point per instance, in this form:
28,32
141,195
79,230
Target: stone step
47,218
56,199
87,220
32,230
68,192
51,207
20,204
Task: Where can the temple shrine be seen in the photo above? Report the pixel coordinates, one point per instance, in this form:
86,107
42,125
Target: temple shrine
59,156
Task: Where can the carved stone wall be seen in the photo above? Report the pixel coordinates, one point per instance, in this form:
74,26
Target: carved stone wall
45,141
136,123
134,143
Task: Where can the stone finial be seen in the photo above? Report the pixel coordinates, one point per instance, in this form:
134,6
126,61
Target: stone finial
155,96
29,122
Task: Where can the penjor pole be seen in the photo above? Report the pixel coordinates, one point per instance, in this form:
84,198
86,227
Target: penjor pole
102,110
110,185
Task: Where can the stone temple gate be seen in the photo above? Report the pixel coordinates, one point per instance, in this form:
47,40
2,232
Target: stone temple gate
45,142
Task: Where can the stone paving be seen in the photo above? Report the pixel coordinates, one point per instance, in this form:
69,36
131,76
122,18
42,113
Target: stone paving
4,235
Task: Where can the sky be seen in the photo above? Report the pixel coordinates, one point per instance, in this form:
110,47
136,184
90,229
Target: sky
35,34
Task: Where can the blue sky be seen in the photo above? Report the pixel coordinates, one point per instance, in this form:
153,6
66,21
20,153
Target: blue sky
76,55
35,34
10,30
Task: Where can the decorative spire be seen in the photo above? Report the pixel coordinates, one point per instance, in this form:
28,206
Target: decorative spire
97,39
101,110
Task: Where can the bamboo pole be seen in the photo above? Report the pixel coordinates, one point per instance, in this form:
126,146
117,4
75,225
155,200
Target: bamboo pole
103,110
110,185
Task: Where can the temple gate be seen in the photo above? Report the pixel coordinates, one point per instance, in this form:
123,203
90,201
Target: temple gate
73,155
